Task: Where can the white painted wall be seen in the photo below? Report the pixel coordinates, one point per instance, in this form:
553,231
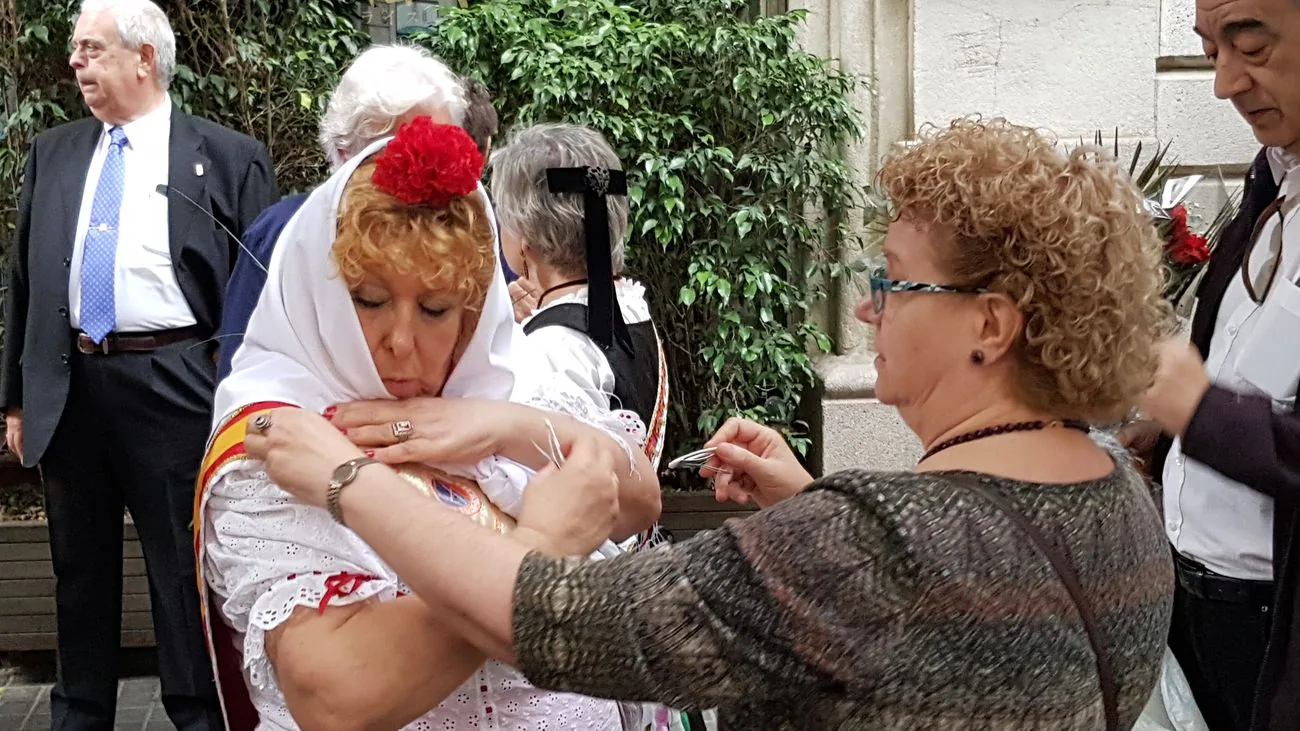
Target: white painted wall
1070,66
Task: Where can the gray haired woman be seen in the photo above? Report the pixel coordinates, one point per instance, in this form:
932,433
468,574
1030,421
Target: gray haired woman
562,208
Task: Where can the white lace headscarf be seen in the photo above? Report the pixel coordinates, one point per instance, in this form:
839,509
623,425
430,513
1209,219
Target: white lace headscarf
304,345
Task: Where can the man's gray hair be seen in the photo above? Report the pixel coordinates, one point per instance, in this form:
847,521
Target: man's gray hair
551,223
381,86
141,22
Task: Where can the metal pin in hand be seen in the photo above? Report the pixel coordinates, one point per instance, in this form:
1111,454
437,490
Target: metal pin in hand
693,460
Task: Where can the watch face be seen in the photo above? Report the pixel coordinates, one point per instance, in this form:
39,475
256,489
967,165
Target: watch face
344,473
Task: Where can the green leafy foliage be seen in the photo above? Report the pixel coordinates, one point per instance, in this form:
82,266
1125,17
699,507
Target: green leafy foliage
733,140
266,68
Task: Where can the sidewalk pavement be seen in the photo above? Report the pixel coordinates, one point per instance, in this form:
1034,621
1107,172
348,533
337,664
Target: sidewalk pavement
25,705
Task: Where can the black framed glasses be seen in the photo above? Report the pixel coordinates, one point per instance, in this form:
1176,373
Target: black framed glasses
882,285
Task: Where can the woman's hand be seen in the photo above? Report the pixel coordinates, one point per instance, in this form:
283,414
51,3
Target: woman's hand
1140,439
462,431
753,462
523,295
570,510
301,451
1181,383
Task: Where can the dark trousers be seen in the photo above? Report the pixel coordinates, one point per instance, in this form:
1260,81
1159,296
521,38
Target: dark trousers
131,436
1220,646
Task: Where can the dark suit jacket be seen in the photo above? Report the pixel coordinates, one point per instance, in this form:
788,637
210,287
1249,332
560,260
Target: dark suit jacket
249,276
238,181
1243,438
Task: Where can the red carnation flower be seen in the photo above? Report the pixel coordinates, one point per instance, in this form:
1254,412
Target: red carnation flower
1179,215
1192,248
429,164
1185,246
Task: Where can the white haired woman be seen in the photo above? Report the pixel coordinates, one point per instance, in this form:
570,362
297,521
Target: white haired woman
382,88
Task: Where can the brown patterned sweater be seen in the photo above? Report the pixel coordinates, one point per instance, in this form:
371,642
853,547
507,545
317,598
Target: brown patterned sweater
872,601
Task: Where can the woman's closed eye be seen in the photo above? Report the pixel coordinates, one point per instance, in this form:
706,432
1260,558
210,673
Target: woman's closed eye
435,311
431,310
369,303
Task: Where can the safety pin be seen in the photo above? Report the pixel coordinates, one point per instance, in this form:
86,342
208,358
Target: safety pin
693,460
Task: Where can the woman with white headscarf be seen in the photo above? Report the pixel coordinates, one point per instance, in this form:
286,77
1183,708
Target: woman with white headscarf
385,285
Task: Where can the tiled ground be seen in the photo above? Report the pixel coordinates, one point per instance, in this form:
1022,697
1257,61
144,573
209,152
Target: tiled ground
25,706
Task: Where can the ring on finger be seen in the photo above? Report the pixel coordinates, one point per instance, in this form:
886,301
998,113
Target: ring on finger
262,422
402,431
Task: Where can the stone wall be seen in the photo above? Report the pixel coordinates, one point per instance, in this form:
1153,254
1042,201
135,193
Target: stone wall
1070,66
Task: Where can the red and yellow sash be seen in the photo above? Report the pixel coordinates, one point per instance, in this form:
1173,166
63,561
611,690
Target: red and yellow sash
654,443
225,447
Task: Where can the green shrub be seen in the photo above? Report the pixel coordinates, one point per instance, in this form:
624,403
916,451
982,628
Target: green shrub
733,138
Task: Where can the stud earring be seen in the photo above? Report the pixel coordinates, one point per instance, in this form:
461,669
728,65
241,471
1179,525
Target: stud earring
977,357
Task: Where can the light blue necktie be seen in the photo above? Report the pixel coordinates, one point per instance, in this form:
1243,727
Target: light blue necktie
99,257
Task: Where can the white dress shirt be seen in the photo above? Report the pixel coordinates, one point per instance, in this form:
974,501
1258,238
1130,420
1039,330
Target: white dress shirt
147,295
1209,518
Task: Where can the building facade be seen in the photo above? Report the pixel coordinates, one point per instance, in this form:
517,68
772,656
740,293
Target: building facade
1071,67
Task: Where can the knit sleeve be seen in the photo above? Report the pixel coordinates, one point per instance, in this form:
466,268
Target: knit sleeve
768,607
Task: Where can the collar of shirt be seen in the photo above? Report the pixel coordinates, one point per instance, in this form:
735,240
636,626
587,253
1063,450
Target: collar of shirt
631,300
152,127
1282,163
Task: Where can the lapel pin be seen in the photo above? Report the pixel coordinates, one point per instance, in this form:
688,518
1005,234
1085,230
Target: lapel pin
198,169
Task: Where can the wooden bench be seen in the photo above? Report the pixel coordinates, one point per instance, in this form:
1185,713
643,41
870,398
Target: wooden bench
27,619
688,513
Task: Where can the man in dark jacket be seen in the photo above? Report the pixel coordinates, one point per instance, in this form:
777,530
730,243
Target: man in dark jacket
120,257
1231,475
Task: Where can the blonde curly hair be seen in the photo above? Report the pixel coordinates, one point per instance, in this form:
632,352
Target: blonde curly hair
450,248
1064,236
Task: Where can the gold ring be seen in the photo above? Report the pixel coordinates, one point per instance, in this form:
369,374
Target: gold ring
402,430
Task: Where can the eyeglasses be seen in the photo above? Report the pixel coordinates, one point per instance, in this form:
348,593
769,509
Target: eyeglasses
1268,272
882,285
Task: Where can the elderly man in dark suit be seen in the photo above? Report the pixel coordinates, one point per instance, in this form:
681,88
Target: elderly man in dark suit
119,263
1231,478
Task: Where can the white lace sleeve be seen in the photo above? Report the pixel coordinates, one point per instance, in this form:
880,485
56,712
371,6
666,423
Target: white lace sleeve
573,377
559,395
266,554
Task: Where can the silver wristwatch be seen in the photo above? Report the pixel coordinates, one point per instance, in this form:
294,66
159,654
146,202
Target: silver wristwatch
344,475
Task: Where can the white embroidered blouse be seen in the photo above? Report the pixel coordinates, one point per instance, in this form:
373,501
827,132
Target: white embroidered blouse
266,554
578,358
